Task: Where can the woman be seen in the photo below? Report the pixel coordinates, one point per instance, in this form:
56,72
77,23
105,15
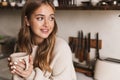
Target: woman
50,56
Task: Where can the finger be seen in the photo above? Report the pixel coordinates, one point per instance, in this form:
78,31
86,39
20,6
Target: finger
22,61
10,64
20,64
12,69
18,68
9,59
18,71
30,67
24,73
21,73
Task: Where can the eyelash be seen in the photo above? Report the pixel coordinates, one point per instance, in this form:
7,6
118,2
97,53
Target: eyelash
41,18
52,18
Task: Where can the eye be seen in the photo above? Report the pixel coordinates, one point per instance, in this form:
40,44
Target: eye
40,18
52,18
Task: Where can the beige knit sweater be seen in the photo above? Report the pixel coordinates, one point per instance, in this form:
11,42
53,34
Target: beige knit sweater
61,64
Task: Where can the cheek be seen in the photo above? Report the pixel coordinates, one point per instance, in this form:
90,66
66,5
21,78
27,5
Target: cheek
34,27
36,24
52,25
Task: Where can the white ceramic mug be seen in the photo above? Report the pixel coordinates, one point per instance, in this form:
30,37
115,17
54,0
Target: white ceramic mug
15,57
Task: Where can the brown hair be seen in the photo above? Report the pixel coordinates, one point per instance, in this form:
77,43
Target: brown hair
25,41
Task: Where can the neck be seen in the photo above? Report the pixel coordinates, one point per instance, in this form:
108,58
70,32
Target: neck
37,40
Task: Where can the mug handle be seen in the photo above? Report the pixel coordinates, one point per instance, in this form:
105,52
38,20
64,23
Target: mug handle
26,63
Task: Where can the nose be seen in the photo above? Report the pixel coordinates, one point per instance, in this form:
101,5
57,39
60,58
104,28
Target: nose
46,23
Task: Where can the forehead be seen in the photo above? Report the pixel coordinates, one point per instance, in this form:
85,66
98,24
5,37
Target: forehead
44,9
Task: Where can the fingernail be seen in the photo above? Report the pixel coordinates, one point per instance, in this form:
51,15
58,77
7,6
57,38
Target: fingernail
20,60
15,62
11,67
14,67
8,58
11,63
13,71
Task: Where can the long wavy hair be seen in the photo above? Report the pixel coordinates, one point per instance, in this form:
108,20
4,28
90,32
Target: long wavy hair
44,52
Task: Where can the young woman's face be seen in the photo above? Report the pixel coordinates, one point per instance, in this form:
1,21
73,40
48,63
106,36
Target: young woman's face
42,21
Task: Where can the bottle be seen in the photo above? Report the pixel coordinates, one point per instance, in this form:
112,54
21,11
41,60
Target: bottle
4,3
20,3
55,2
0,3
95,2
114,2
12,3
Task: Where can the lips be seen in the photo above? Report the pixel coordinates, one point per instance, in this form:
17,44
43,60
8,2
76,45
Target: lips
45,31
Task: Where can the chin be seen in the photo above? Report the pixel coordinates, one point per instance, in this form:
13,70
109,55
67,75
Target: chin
44,37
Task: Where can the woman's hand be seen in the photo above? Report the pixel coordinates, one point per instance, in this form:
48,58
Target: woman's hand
19,67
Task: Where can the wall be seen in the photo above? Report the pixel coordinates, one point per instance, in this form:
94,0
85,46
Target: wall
9,21
106,22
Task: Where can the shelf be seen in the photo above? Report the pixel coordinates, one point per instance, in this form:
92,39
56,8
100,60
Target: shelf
89,8
74,7
9,7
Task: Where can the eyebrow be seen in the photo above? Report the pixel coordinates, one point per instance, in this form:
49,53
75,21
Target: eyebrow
44,15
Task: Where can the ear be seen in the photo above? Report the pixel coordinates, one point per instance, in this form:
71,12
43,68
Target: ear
26,21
